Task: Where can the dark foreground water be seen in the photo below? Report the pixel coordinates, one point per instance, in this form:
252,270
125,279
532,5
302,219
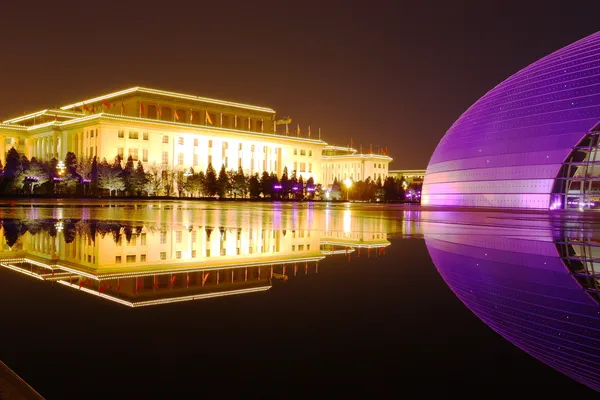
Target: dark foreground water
168,300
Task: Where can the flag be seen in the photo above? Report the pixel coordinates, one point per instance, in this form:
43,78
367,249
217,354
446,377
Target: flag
122,108
173,279
298,130
205,278
309,131
191,116
106,103
93,108
103,288
208,120
155,282
142,109
86,108
139,284
176,116
188,279
118,285
158,112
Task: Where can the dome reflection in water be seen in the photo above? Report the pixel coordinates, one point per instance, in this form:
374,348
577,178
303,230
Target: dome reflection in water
531,279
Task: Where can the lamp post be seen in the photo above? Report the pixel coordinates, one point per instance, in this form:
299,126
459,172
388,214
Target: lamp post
348,183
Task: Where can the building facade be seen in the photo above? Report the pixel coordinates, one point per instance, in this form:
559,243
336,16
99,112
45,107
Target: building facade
411,176
341,163
530,142
179,131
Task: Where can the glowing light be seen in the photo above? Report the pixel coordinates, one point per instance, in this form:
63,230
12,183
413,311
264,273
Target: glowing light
179,96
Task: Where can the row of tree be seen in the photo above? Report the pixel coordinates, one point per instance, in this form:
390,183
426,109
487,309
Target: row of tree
92,177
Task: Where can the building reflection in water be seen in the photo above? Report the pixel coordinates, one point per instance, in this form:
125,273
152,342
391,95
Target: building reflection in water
142,264
532,279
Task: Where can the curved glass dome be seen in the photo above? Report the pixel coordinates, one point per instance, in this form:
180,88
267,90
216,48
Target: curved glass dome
509,148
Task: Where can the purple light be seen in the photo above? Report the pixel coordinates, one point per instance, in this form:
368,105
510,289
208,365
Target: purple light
295,188
310,189
56,179
277,187
86,180
507,149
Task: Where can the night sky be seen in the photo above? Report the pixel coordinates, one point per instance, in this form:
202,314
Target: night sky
390,73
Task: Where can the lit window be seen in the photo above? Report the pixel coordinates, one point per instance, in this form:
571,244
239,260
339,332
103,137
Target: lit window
143,239
310,153
130,259
302,167
133,135
193,236
195,160
309,167
145,135
225,145
240,162
118,260
92,133
165,157
145,155
163,237
180,159
226,162
240,146
210,143
178,236
133,153
295,166
121,134
196,142
178,254
163,255
210,160
302,152
165,139
300,247
295,152
180,140
120,152
142,258
193,253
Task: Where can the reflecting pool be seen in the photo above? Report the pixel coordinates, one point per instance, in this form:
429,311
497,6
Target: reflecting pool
172,297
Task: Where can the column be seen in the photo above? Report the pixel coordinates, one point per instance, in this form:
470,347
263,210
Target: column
3,150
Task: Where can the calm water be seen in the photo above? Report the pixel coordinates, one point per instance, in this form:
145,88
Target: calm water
179,299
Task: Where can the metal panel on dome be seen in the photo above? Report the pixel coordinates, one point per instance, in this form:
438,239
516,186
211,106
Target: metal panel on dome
531,123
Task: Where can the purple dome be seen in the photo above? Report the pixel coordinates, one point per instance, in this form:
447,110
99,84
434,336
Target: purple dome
508,149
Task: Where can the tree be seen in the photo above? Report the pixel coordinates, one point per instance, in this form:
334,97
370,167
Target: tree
285,182
71,163
94,175
274,181
180,179
210,184
138,179
254,186
153,180
266,184
129,175
222,182
109,177
239,187
36,175
194,182
310,188
335,193
84,171
168,179
390,189
300,187
13,170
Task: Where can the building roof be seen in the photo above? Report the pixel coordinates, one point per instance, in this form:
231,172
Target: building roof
173,95
51,112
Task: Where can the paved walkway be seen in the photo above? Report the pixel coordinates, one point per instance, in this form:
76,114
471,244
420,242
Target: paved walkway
13,387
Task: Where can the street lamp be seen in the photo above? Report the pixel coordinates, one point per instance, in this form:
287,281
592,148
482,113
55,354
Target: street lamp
348,183
61,168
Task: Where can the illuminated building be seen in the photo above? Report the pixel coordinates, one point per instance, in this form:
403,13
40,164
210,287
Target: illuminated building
530,142
179,131
343,163
411,176
138,264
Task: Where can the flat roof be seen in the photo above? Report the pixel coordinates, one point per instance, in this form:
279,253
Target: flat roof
179,96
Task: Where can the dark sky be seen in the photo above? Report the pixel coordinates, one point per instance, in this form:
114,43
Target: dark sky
390,73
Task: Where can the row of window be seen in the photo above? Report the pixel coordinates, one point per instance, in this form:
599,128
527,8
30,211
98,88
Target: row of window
132,135
132,258
303,152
